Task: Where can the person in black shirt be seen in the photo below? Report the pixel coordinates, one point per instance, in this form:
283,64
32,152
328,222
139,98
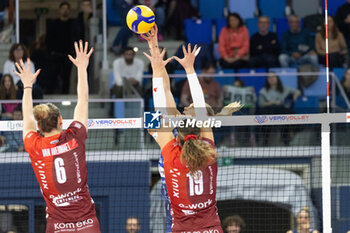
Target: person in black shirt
264,48
343,19
61,33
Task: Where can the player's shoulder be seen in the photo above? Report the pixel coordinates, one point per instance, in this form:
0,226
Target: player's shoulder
32,135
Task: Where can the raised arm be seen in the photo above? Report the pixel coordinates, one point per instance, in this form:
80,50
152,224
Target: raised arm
81,62
196,90
153,45
28,78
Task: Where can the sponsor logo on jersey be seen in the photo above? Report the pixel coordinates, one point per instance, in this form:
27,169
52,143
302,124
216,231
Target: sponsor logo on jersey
70,225
205,231
199,205
66,198
60,149
42,175
175,174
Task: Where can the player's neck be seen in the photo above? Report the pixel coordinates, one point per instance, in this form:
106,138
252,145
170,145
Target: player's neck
53,132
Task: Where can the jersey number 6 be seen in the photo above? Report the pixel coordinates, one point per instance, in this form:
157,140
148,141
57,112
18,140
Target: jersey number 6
60,171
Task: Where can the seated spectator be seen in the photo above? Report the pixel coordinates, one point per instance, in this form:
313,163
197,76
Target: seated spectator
234,43
128,72
132,225
246,96
18,52
274,98
233,224
337,48
14,139
297,46
303,221
7,92
264,48
342,19
345,83
211,89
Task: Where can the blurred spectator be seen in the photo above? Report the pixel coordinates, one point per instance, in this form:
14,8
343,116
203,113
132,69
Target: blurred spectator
345,83
121,40
343,20
233,224
61,34
297,46
303,221
337,48
158,7
14,139
17,52
42,59
178,11
246,96
128,72
7,92
274,98
132,225
234,43
264,48
211,89
83,20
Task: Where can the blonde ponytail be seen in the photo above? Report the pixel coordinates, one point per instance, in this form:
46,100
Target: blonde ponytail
197,154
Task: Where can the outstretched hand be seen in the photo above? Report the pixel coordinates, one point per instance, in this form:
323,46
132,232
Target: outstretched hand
157,61
25,74
152,37
82,56
189,56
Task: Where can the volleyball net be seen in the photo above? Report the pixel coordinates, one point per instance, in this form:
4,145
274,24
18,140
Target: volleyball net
270,169
276,172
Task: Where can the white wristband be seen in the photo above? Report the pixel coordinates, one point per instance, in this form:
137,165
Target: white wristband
197,96
159,100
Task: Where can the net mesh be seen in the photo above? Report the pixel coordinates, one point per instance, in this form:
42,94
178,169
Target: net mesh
267,174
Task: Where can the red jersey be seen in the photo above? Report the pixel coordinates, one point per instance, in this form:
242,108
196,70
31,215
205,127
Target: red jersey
59,164
193,199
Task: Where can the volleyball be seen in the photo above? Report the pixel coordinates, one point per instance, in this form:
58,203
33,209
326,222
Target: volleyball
140,19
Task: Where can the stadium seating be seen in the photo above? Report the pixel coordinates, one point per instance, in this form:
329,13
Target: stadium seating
216,53
245,8
257,82
318,88
339,72
113,18
211,9
225,80
219,24
333,6
272,8
290,80
306,104
252,25
198,31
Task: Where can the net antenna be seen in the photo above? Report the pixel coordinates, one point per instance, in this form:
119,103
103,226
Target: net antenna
325,144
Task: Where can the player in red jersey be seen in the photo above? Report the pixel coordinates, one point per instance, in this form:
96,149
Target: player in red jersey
58,157
189,160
